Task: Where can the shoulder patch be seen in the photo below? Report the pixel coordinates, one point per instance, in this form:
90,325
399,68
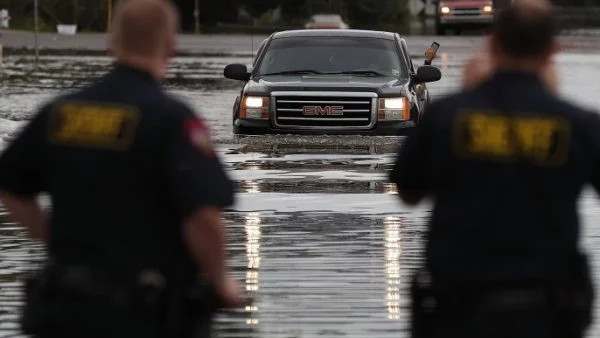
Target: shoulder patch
198,134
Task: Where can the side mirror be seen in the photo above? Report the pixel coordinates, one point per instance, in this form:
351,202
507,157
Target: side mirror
237,71
427,74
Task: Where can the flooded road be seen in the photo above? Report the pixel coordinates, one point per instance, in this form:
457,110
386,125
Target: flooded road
317,236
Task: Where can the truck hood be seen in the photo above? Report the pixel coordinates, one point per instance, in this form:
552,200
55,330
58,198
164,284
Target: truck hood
381,85
465,3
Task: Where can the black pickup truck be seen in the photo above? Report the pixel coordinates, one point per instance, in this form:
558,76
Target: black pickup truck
331,82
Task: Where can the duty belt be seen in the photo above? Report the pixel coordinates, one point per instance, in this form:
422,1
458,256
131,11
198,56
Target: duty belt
83,282
516,298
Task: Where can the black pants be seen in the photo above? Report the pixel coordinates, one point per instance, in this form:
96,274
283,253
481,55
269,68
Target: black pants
513,323
96,320
511,313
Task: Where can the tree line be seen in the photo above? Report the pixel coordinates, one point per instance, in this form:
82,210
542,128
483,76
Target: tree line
92,15
89,15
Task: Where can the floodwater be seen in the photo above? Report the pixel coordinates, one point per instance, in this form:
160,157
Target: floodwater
317,238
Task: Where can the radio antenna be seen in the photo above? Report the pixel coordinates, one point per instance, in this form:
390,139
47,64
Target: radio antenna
252,44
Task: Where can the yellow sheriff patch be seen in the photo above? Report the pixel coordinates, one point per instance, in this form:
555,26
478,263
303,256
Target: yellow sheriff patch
94,125
541,139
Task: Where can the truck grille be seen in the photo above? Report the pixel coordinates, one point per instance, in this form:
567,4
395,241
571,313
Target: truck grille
322,110
467,11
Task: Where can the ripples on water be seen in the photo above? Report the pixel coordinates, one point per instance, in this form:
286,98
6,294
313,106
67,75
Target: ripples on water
317,237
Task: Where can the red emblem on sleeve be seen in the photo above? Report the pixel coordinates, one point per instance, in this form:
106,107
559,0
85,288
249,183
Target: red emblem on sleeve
199,136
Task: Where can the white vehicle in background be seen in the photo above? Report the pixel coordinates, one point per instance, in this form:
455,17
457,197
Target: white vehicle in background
326,21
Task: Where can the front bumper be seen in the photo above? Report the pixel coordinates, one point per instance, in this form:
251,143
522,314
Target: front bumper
450,20
381,128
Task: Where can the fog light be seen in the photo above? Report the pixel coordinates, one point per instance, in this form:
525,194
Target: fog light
254,113
391,115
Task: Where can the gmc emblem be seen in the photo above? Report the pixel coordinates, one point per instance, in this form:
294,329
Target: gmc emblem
320,111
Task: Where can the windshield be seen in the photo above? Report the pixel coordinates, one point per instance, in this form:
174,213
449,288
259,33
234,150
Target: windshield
321,55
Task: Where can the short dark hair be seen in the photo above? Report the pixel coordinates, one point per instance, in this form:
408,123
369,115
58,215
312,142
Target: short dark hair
525,31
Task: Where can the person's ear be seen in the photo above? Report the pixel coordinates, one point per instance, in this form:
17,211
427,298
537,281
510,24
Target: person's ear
556,47
493,46
171,47
111,45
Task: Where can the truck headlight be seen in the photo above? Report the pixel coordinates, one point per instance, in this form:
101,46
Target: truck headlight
487,9
394,109
254,107
445,10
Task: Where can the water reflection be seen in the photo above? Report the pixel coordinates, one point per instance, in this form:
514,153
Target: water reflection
323,186
319,144
250,187
390,188
392,265
444,61
253,233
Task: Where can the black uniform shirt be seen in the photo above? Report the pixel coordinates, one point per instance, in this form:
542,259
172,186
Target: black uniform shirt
504,165
124,165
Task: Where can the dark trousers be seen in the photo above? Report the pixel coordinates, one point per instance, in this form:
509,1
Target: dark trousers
89,321
514,323
527,313
98,320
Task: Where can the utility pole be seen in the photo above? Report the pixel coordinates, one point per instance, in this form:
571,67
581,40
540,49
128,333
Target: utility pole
109,4
37,28
197,16
75,12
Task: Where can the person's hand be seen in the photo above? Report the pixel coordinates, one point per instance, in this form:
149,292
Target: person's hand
429,54
230,294
481,67
478,69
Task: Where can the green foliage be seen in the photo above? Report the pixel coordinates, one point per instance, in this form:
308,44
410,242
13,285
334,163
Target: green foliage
266,18
28,23
92,15
373,13
87,14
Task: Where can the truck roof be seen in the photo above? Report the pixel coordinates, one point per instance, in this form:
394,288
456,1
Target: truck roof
358,33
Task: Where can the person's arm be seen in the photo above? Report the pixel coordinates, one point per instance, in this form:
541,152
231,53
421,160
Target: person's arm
21,179
410,172
477,70
590,125
205,236
201,189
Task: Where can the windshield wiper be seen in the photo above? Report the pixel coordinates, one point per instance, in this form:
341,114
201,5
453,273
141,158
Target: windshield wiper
294,72
360,72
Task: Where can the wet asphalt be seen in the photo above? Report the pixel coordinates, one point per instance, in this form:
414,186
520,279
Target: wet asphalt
317,237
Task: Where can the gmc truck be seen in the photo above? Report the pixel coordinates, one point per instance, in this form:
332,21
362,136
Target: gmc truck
331,82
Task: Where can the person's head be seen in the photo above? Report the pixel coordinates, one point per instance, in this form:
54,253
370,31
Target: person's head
143,34
523,36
